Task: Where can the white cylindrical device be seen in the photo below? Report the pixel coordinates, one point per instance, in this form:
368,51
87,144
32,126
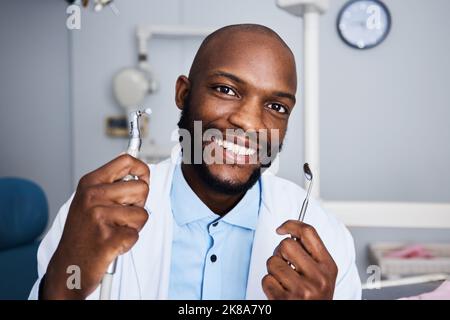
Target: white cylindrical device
134,146
311,95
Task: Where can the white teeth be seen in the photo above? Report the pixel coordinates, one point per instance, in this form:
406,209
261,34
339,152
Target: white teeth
236,149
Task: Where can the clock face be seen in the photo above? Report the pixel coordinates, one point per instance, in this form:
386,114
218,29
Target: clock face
364,24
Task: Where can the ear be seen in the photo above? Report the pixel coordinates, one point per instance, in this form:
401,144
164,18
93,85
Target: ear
182,88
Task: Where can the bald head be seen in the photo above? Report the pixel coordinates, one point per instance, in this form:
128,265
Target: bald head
242,37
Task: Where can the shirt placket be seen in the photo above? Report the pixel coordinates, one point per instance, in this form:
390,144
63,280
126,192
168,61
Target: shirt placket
212,279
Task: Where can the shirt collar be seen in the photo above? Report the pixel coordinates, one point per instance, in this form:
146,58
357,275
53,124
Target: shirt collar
187,206
245,213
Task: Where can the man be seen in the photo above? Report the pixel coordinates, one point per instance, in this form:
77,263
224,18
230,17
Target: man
206,229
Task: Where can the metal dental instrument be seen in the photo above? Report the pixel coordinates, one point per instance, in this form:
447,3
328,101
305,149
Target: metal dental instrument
134,145
309,177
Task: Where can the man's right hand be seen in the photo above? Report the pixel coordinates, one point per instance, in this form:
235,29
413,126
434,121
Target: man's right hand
103,222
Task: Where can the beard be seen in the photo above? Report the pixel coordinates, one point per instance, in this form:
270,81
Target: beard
223,186
227,187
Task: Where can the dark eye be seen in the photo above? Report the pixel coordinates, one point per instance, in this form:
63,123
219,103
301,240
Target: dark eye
225,90
278,107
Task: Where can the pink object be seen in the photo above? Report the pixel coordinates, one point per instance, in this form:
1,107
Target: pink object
411,251
441,293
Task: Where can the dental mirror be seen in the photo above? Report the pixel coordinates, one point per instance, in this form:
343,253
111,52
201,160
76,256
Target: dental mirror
307,172
309,177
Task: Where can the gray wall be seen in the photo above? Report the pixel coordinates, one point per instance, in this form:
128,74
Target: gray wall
385,112
34,96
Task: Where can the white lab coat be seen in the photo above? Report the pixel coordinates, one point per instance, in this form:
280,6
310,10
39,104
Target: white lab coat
143,272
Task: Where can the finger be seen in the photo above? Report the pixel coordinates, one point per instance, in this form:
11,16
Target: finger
272,288
282,272
117,169
292,251
123,216
308,237
133,192
123,239
312,272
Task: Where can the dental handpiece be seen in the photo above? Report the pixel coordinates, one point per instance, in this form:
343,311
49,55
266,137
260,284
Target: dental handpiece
134,146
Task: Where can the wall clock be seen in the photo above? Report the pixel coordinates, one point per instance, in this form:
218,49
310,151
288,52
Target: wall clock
364,24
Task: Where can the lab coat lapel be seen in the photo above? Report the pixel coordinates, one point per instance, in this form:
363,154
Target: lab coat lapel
264,243
153,250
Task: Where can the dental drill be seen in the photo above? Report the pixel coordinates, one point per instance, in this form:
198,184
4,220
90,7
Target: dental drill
134,146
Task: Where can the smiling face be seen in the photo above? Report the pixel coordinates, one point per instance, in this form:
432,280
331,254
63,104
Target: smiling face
242,79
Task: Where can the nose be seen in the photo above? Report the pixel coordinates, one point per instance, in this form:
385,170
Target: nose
248,115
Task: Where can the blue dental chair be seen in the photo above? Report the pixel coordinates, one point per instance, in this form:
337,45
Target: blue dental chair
23,217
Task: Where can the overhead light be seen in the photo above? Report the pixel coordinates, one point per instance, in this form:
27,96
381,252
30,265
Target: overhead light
100,4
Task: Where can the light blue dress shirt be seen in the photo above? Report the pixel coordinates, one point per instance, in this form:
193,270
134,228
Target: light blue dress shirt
210,254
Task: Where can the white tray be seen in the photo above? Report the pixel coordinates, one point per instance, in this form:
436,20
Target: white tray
397,267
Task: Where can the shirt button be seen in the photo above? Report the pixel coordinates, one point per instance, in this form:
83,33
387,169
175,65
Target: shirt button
215,224
213,258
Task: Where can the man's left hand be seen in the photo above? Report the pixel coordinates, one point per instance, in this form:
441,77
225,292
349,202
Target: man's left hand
315,271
